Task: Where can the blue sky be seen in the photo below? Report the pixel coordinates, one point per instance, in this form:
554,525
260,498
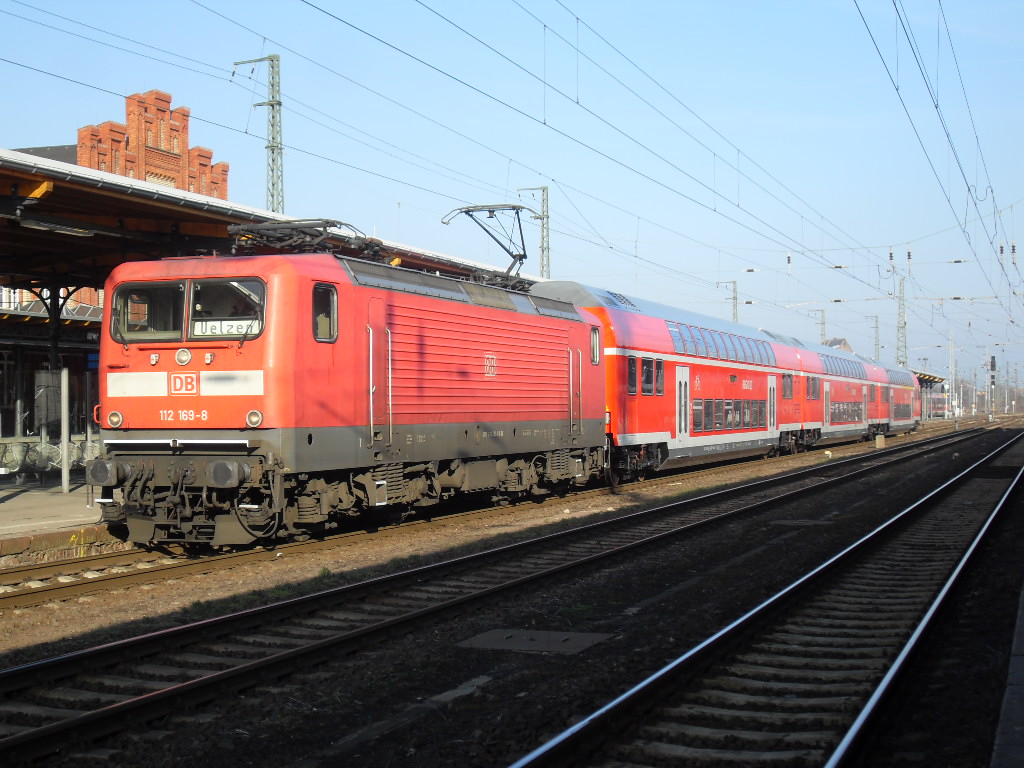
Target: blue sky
686,145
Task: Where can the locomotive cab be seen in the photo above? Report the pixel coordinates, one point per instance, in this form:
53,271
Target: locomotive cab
182,388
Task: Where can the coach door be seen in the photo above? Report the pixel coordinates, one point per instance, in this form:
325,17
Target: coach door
379,379
773,414
864,403
827,416
682,427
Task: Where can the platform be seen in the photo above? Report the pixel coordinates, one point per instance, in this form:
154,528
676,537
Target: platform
38,521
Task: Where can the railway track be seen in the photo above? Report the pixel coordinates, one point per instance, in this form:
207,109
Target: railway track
87,694
798,680
35,584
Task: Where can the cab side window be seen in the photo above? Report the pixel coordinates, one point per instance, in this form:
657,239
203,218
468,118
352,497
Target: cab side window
325,313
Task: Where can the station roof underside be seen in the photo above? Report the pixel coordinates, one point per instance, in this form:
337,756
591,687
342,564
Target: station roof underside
63,225
928,378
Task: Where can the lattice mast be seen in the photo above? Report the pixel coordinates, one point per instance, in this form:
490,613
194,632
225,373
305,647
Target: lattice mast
901,326
275,141
545,230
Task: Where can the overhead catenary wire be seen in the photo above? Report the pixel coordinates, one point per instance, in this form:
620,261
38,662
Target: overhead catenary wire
446,192
920,65
233,21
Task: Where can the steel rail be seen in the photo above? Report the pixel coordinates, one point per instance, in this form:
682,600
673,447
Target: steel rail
241,675
36,595
567,747
843,750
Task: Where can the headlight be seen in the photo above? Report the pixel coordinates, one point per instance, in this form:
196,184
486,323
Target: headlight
253,418
183,357
115,419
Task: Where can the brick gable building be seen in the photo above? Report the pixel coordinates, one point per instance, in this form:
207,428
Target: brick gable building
152,145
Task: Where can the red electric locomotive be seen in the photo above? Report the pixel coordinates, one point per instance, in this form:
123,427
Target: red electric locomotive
684,388
249,398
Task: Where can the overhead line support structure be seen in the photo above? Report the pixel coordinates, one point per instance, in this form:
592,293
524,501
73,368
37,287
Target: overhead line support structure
275,140
545,230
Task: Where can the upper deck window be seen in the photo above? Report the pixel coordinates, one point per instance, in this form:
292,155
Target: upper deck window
148,312
709,342
698,340
227,309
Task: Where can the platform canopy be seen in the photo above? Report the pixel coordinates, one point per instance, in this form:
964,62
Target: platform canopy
928,379
63,225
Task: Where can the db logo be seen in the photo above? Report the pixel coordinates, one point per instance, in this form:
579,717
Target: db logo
490,365
184,383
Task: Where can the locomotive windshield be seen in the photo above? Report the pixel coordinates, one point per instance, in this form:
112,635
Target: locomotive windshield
148,312
217,309
226,309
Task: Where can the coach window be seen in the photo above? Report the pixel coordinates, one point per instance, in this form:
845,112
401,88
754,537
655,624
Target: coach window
745,353
725,346
741,354
646,376
755,352
719,414
698,339
677,340
659,377
631,375
813,388
698,415
719,342
734,347
595,345
687,334
728,414
325,312
712,352
762,411
709,415
746,414
787,386
872,393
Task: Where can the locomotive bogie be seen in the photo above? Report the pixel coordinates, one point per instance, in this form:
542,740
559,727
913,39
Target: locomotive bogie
235,499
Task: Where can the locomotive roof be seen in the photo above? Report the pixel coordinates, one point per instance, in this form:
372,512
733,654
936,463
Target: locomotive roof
587,296
424,283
